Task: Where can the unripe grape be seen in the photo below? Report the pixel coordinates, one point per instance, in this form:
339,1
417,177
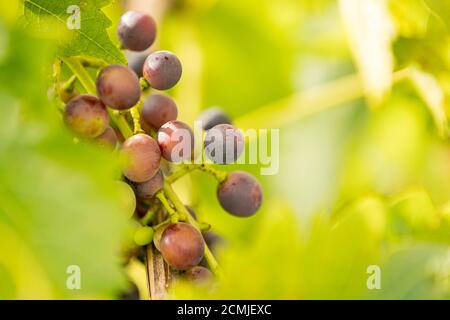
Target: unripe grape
141,155
162,69
118,87
181,245
224,144
127,198
136,30
107,139
176,141
211,117
158,109
240,194
199,275
86,116
147,190
143,236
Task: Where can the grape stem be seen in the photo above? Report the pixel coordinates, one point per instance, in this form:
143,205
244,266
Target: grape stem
135,114
144,84
179,206
173,215
86,81
221,176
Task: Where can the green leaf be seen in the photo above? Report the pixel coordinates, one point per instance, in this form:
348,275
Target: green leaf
90,39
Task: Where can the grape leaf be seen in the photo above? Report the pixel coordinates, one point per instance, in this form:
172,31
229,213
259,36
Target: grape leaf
89,39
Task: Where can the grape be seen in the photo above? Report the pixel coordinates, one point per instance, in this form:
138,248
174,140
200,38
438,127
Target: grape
240,194
212,117
136,62
213,240
86,116
176,141
162,69
147,190
143,236
127,198
158,109
224,144
136,30
107,139
199,275
142,156
118,87
181,245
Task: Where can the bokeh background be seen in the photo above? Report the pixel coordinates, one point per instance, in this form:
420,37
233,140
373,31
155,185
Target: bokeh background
359,90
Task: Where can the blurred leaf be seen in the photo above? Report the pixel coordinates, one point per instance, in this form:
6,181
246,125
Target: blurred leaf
91,39
434,96
58,203
419,271
371,32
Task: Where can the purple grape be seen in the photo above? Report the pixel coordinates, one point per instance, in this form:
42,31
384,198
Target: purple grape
107,139
147,190
158,109
211,117
136,62
240,194
141,155
136,30
162,69
86,116
118,87
176,141
199,275
224,144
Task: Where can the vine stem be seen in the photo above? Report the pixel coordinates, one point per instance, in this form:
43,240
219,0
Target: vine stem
221,176
172,213
136,115
179,206
85,79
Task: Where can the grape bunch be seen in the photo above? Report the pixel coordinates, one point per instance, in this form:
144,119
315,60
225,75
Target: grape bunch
159,148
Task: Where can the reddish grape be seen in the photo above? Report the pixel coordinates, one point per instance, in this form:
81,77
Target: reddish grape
86,116
224,144
118,87
142,156
181,246
147,190
158,109
240,194
136,30
176,141
162,69
107,139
